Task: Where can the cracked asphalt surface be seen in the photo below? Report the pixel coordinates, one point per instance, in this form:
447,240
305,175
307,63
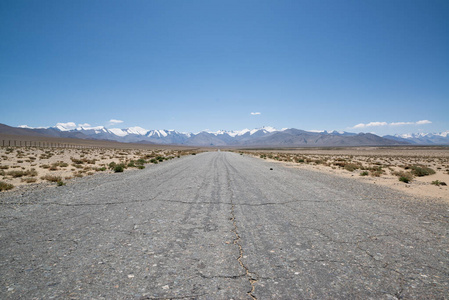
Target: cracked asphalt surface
220,225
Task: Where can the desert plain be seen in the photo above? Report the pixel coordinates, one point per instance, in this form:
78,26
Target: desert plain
421,171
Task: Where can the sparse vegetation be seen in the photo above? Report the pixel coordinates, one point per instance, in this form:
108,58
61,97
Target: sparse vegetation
351,167
419,170
403,163
404,176
21,173
119,168
51,178
29,179
53,163
438,183
5,186
404,179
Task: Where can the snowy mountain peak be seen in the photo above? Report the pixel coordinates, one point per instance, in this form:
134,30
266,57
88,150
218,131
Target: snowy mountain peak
441,138
97,129
444,133
136,130
422,134
118,131
234,133
163,133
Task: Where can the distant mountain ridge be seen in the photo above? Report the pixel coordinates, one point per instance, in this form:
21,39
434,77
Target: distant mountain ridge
441,138
259,137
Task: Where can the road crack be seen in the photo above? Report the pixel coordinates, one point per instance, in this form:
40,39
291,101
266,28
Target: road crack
221,276
252,277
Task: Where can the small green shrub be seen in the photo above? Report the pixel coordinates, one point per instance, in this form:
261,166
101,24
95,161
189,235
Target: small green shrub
376,173
60,183
420,171
406,176
141,167
5,186
119,168
51,178
76,160
364,173
141,162
438,183
16,174
351,167
29,179
404,179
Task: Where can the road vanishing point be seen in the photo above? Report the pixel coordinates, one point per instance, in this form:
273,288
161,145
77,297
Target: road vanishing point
220,225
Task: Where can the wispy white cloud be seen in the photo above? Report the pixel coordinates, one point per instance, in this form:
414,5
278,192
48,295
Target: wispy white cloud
255,113
84,125
114,121
402,123
370,124
378,124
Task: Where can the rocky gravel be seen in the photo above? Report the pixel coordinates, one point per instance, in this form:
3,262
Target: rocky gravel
221,225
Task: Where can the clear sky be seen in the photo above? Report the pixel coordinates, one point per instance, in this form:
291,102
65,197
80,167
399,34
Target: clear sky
194,65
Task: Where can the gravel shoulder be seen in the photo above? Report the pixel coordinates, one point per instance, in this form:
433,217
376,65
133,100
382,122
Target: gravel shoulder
220,225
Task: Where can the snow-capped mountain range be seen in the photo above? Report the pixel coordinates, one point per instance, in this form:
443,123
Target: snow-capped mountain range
264,136
157,133
441,138
164,136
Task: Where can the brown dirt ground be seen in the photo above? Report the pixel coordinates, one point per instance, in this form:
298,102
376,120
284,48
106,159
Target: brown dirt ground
391,161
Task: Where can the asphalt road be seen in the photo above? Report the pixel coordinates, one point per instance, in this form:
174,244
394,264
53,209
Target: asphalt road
221,226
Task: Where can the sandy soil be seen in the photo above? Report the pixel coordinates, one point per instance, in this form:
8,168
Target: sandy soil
29,165
381,166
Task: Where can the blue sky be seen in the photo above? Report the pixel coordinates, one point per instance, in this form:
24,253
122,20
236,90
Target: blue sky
194,65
